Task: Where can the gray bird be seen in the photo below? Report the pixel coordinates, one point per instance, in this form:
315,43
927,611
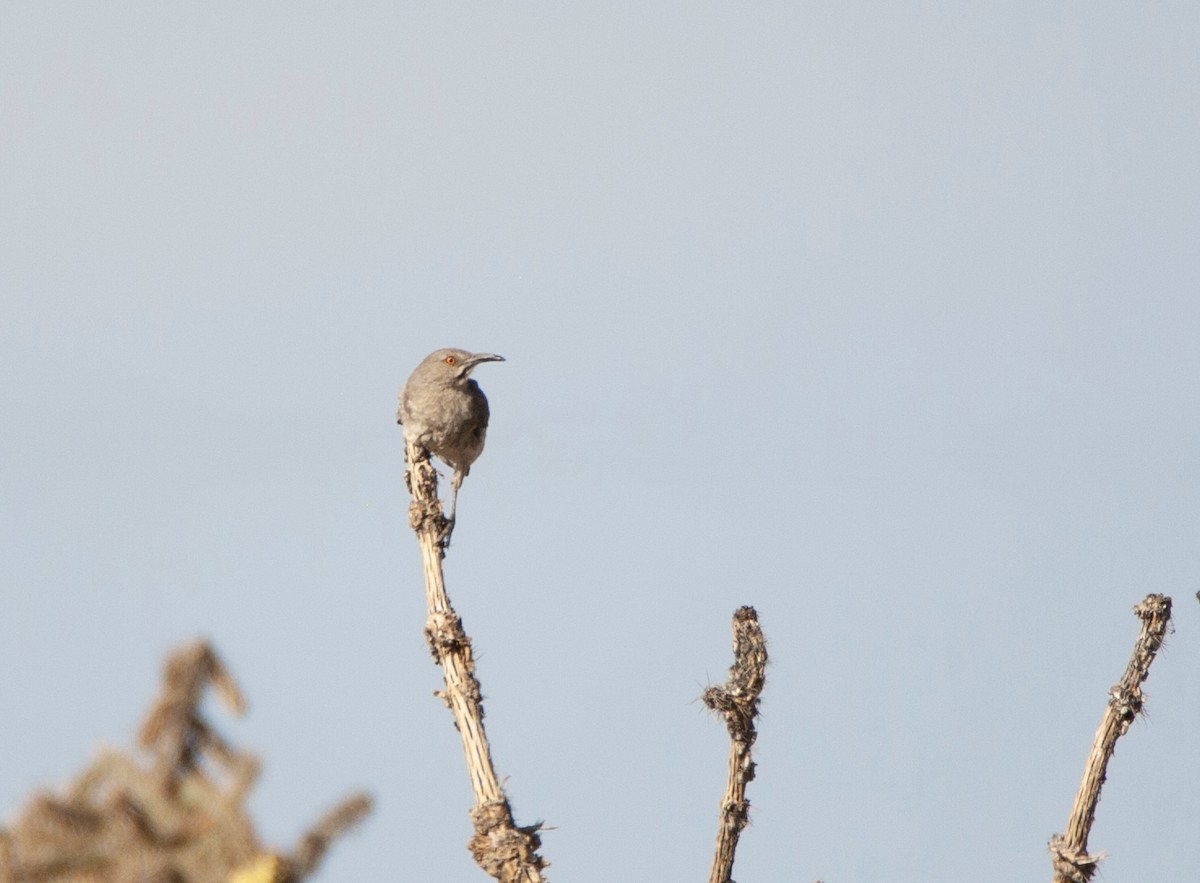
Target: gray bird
444,410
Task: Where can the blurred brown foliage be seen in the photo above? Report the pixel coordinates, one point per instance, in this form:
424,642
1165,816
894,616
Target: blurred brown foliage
173,812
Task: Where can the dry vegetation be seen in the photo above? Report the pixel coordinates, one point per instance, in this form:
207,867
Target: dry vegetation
508,852
173,811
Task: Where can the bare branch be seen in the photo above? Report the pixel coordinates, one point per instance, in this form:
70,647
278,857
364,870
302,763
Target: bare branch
505,851
315,843
737,702
1068,852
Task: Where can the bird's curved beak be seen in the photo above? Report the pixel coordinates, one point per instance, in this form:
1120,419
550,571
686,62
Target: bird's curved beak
473,360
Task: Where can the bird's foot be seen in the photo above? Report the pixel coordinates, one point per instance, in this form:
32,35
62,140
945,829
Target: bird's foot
447,529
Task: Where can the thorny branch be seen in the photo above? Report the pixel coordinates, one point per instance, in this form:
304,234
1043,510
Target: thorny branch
737,702
1068,852
504,850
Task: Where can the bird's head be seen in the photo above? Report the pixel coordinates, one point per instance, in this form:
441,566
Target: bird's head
452,366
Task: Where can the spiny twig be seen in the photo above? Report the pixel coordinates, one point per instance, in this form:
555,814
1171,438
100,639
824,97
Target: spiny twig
505,851
1068,852
737,702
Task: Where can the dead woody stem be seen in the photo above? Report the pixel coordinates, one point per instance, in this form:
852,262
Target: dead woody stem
505,851
737,702
1069,855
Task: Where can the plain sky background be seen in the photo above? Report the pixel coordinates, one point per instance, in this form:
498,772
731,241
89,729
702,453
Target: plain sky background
883,318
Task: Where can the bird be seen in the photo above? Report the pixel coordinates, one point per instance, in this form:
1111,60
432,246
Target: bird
444,411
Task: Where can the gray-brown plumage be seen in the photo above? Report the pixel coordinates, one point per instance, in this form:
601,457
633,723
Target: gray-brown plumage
444,410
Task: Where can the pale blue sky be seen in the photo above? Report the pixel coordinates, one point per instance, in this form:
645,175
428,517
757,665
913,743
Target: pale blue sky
883,318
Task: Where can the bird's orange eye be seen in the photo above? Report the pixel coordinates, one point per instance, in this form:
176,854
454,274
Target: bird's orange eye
450,360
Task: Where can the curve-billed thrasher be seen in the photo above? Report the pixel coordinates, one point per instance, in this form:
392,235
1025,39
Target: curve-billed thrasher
444,410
